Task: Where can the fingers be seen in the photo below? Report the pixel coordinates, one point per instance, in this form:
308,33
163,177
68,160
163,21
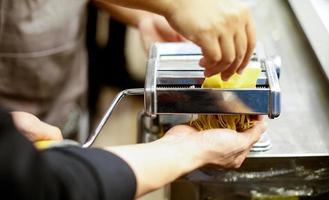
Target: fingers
227,58
228,49
220,29
240,159
240,52
230,56
253,134
211,52
234,161
34,129
48,132
228,148
236,39
251,38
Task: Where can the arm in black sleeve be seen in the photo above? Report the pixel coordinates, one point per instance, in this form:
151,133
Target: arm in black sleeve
60,173
91,172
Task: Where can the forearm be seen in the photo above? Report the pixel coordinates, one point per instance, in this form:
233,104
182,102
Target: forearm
161,7
125,15
158,163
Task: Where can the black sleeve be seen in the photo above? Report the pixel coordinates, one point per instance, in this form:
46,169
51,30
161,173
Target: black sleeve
62,173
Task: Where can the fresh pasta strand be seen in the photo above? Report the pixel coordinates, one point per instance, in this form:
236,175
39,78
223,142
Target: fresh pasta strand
234,122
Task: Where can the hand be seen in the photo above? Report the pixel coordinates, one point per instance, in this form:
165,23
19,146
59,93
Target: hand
223,147
155,28
182,150
222,28
152,27
34,129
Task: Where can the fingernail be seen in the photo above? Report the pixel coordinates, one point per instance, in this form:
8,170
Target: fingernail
225,78
240,71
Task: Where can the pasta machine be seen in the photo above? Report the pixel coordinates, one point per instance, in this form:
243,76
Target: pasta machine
173,86
174,79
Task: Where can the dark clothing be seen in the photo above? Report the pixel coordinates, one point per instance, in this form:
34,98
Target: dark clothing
59,173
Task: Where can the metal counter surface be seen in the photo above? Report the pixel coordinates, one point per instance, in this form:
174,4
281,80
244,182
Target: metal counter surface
303,126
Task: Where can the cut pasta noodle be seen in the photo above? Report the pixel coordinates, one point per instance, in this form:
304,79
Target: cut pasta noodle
238,122
234,122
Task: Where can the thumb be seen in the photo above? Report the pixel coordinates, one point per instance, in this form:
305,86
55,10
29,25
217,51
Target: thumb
48,132
34,129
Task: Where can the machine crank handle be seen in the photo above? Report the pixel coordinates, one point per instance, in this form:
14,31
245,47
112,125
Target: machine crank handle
115,102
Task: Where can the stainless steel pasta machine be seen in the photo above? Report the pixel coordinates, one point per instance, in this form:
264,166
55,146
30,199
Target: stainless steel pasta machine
174,79
173,86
